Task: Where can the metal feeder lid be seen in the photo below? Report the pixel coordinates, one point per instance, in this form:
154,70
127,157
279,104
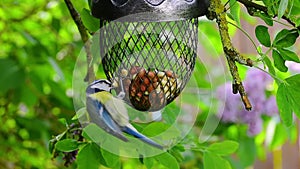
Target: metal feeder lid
149,10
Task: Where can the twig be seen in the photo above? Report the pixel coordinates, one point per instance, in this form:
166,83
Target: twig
217,11
85,38
254,6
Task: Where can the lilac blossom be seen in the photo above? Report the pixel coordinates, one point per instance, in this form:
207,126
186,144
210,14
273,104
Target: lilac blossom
256,83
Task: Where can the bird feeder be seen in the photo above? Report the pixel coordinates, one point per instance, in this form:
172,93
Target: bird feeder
148,47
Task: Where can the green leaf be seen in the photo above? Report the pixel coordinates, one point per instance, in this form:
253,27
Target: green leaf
295,12
66,145
223,148
285,38
279,62
262,35
176,152
157,128
282,7
167,160
235,11
268,62
214,161
287,97
246,151
289,55
280,136
91,23
266,18
91,132
283,103
89,157
148,161
111,160
171,113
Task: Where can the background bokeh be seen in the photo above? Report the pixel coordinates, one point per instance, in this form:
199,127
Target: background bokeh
39,46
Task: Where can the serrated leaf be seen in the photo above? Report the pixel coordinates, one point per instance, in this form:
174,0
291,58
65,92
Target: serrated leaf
66,145
262,35
91,23
279,62
223,148
285,38
213,161
289,55
282,7
167,160
235,11
89,157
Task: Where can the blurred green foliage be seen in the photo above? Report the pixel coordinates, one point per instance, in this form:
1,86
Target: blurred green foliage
39,47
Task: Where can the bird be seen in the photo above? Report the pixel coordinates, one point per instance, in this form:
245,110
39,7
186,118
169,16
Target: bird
110,113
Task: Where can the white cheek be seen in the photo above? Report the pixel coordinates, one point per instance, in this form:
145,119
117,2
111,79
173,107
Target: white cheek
100,86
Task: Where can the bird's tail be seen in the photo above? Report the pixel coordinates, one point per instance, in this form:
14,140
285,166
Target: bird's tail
132,131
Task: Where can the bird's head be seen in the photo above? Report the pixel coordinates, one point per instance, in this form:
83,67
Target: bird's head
99,86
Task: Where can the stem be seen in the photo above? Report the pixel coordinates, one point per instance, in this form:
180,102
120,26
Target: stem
263,55
249,37
276,20
85,38
251,4
273,76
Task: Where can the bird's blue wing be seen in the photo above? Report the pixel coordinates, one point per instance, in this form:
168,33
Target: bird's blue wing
100,116
132,131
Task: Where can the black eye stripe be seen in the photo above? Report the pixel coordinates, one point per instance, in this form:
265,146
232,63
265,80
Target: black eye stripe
98,86
90,90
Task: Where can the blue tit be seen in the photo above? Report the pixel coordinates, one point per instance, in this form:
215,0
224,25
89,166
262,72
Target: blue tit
110,113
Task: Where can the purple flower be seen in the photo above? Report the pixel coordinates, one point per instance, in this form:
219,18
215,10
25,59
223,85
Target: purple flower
230,110
270,108
255,127
255,83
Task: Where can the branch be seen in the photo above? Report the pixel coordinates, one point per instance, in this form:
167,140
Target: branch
85,38
254,6
217,11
